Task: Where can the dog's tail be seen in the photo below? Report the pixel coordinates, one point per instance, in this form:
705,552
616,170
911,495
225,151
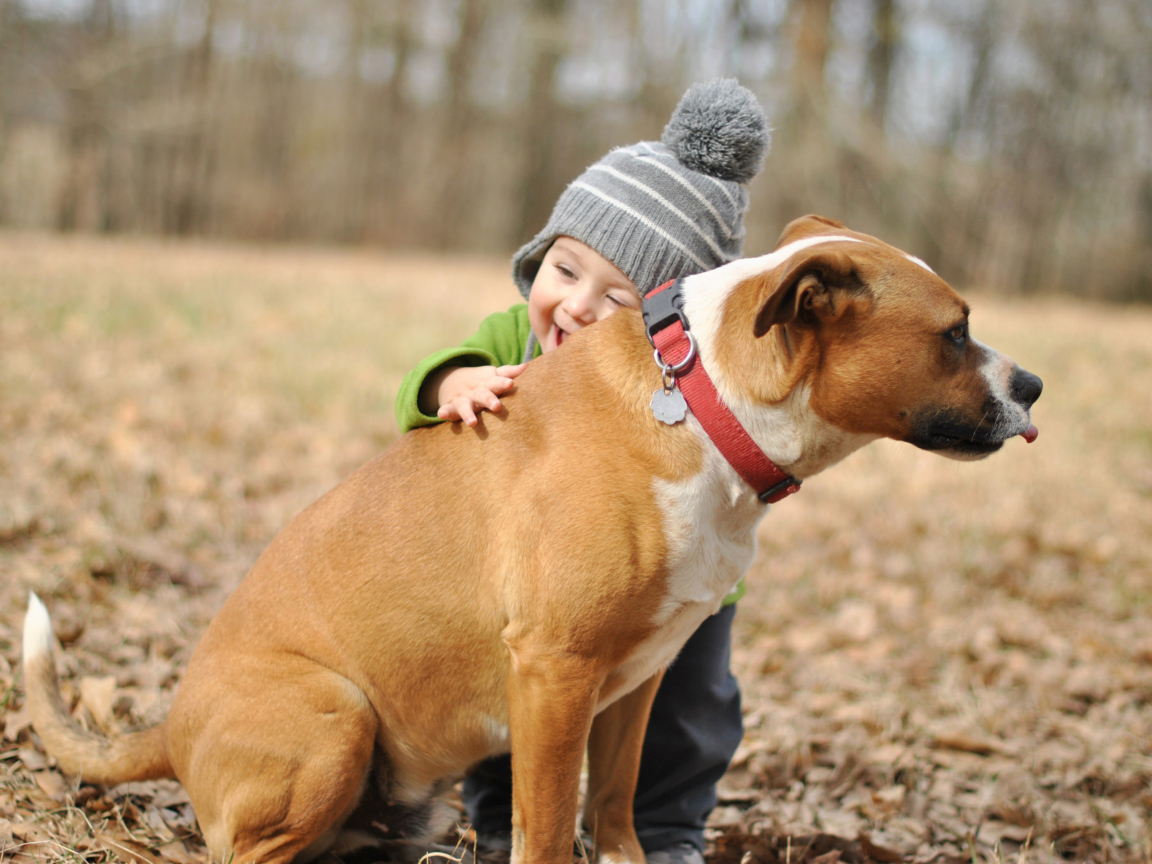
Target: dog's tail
107,761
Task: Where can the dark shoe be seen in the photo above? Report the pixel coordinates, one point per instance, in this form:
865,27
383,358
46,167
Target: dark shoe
496,841
677,853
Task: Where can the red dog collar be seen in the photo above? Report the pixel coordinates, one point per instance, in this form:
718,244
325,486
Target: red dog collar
668,331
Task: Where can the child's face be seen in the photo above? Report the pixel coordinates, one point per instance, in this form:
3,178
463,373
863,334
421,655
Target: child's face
575,286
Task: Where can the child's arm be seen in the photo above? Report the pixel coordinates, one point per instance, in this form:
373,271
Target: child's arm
486,355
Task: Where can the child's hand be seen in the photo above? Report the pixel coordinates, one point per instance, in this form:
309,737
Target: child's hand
463,391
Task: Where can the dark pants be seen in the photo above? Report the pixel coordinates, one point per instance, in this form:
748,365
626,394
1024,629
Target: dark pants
694,729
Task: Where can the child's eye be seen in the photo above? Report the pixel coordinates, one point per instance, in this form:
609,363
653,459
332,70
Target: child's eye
616,301
566,271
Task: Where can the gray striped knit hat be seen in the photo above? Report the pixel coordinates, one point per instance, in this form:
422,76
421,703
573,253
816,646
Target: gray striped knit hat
663,209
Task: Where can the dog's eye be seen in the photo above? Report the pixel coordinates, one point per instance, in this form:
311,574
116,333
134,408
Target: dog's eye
959,334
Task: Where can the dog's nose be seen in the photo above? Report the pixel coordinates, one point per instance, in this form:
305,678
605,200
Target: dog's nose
1025,387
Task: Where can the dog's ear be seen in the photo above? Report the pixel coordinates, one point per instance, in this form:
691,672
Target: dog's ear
808,226
814,288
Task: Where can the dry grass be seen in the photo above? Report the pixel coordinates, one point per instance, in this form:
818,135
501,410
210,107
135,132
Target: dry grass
941,661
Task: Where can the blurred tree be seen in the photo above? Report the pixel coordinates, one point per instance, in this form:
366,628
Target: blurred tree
188,203
880,58
83,200
813,39
546,43
356,149
394,137
456,152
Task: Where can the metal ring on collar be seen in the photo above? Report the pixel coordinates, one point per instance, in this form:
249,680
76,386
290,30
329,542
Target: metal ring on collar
683,364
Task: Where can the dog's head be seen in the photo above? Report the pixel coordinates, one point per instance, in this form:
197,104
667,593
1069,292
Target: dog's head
879,341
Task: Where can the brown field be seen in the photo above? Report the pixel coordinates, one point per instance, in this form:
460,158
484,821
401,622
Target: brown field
941,661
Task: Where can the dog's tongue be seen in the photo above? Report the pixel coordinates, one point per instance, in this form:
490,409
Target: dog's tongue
1030,434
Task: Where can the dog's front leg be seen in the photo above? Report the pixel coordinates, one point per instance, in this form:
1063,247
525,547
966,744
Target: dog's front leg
613,765
551,698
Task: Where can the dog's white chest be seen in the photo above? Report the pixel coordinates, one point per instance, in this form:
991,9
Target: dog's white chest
710,528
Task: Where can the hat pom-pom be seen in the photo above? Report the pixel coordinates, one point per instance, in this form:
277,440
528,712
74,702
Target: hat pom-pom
719,129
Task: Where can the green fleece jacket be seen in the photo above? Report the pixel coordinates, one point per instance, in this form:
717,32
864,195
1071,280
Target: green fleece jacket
502,340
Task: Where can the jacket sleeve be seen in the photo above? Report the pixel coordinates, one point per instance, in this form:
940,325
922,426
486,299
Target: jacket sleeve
500,341
735,594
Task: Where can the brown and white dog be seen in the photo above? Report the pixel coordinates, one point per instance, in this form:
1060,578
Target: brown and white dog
521,585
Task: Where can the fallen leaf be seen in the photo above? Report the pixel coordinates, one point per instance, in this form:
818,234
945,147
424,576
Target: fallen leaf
839,823
172,795
880,853
138,788
725,816
966,743
67,626
993,831
33,760
892,796
52,784
155,821
178,852
179,819
29,832
34,799
1091,683
884,803
886,754
855,621
128,849
16,722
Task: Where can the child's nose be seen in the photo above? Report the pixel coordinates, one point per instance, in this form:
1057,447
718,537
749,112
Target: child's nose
581,306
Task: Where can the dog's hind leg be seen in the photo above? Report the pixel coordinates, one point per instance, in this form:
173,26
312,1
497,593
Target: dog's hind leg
278,763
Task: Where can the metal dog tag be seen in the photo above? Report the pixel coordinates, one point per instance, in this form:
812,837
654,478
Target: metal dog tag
668,405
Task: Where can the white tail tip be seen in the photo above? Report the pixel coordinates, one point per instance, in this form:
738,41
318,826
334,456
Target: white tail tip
38,636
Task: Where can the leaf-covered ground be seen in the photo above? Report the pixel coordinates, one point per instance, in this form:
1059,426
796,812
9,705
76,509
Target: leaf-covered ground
940,661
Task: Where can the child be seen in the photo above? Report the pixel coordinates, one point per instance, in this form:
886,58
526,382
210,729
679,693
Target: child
640,216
